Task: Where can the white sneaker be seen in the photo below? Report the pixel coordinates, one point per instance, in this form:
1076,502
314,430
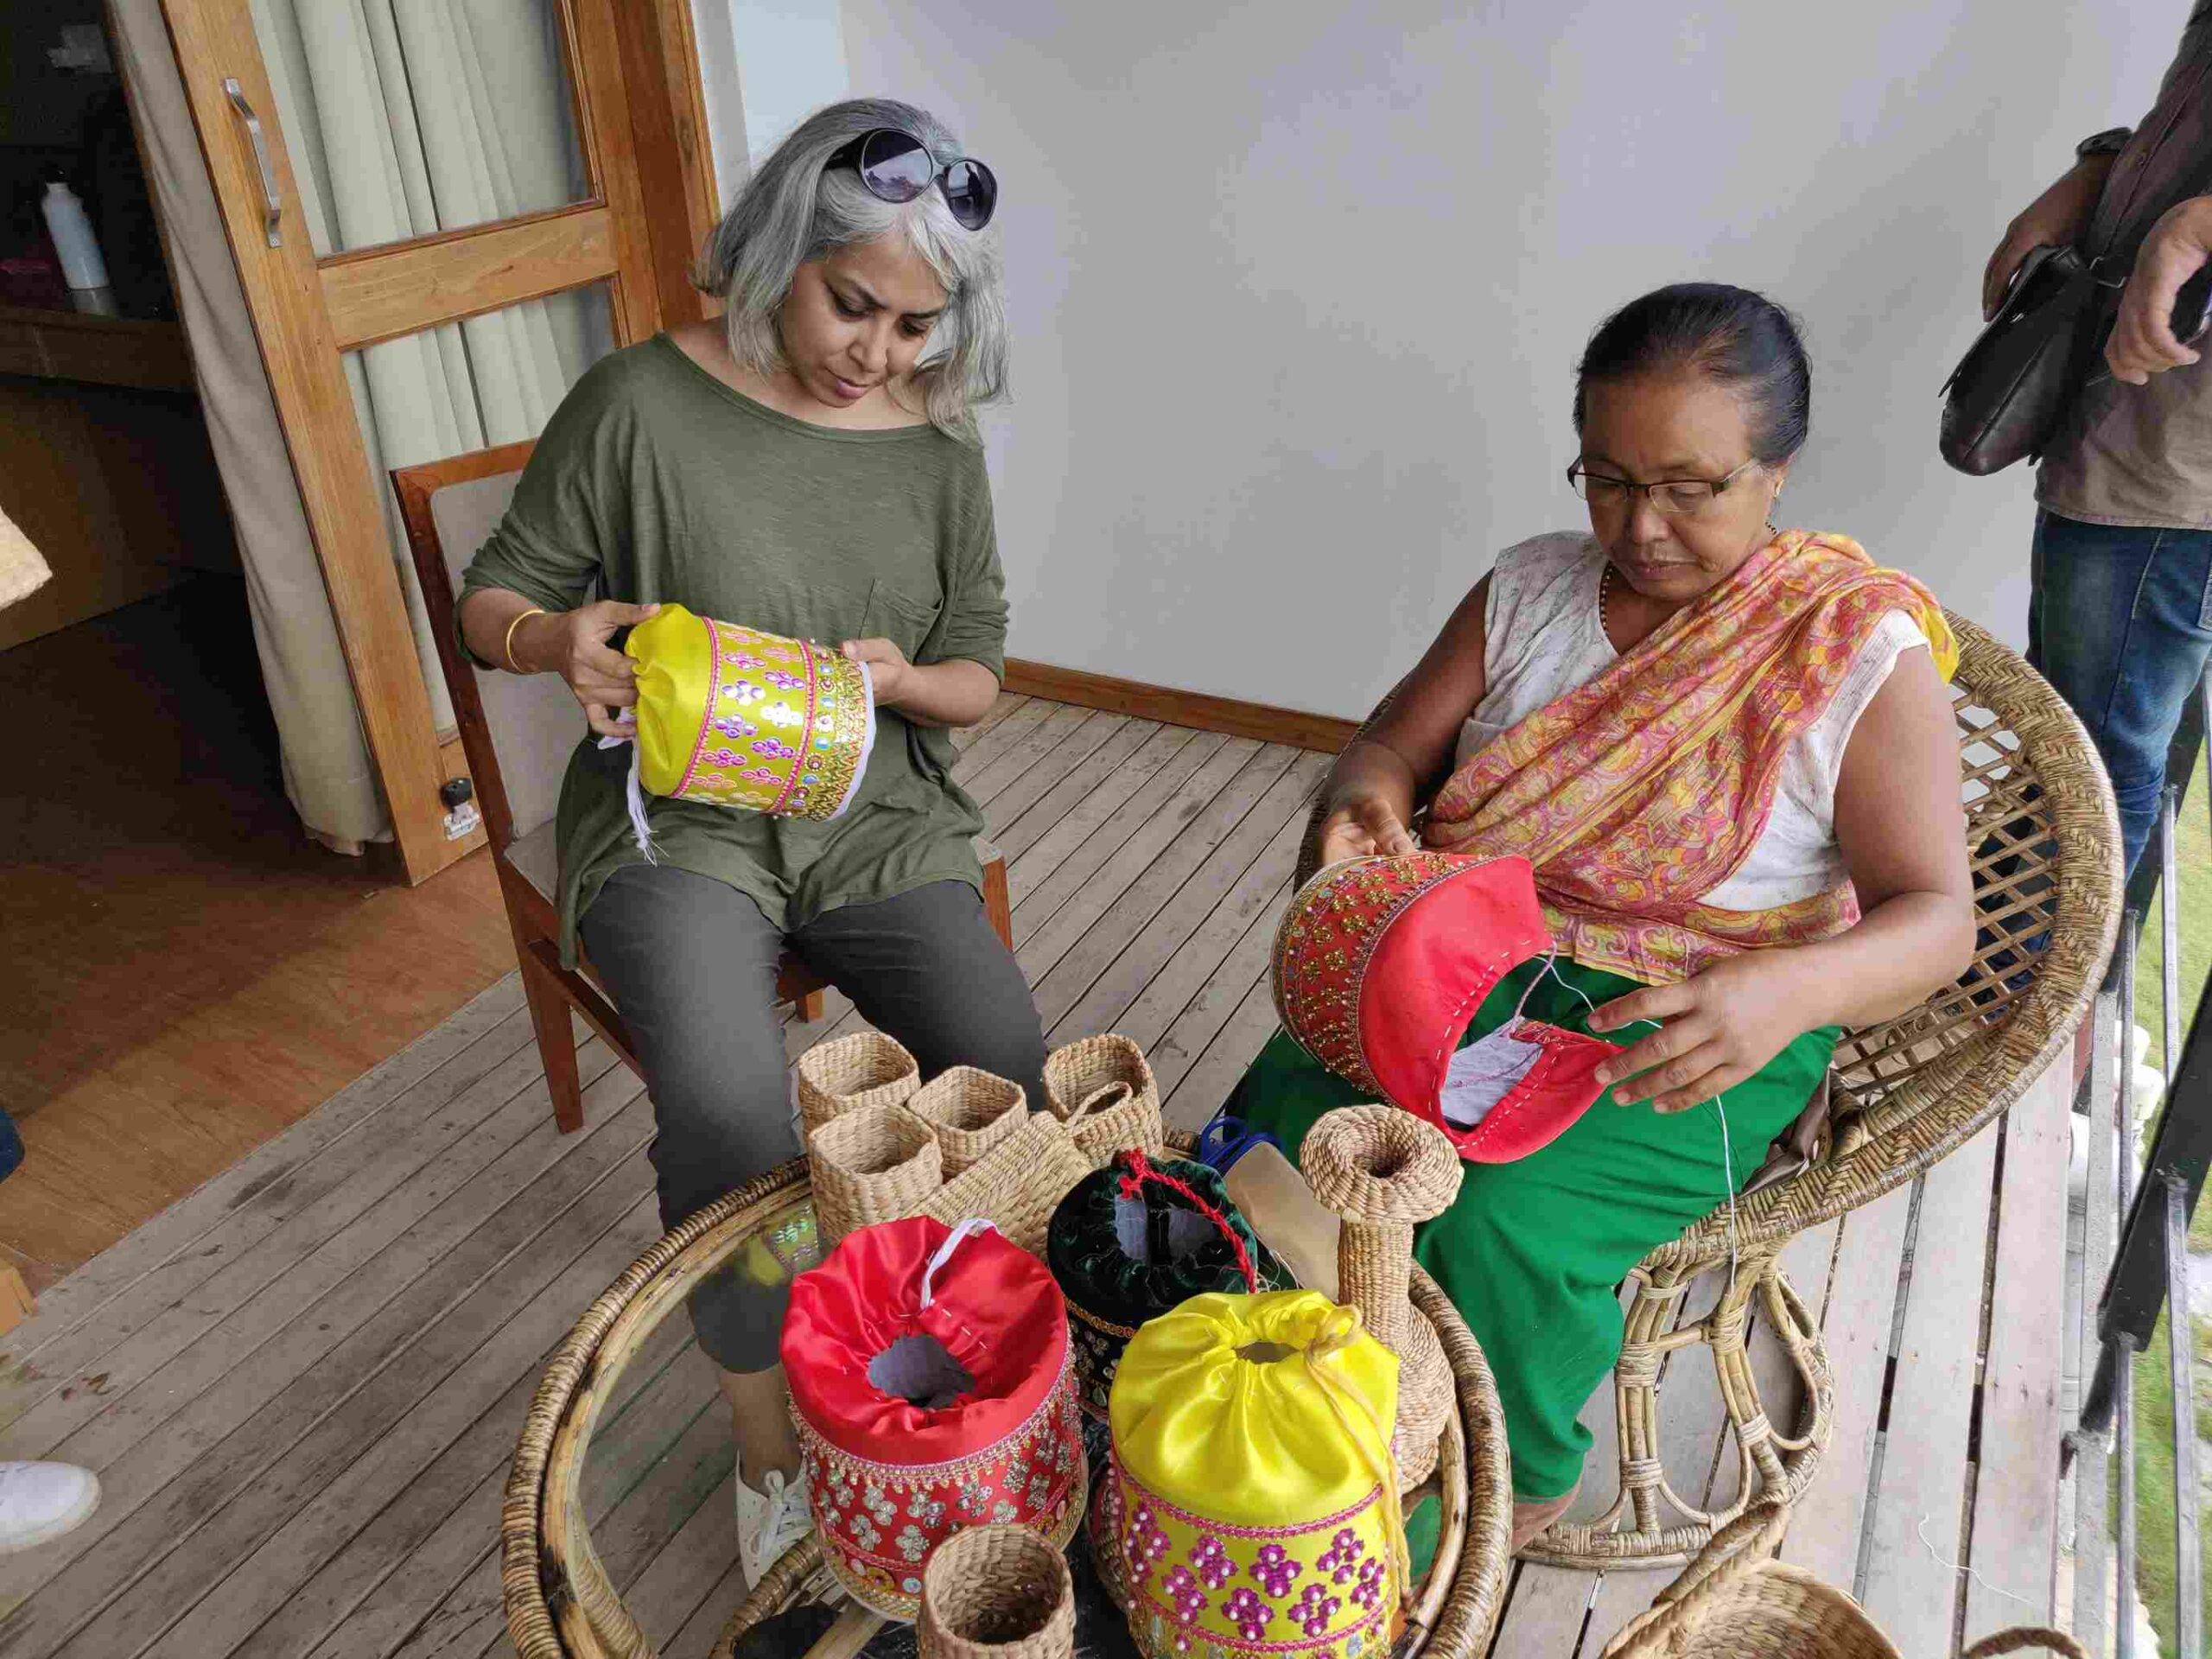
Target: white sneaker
42,1501
768,1522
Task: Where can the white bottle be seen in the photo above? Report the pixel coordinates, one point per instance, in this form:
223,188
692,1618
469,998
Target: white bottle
81,264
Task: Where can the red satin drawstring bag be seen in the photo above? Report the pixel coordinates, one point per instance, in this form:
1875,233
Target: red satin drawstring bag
1380,967
933,1389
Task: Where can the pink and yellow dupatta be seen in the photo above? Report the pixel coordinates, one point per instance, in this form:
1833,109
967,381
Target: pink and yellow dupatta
1637,793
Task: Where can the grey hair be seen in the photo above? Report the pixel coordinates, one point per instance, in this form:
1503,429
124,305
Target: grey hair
795,208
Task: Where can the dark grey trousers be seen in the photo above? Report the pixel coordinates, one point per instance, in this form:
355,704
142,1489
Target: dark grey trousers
691,963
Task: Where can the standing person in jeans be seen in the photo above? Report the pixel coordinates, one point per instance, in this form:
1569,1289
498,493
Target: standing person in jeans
2120,619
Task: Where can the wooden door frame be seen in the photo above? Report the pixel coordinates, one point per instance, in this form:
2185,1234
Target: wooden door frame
635,71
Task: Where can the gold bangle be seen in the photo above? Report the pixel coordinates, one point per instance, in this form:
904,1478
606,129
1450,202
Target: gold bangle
508,649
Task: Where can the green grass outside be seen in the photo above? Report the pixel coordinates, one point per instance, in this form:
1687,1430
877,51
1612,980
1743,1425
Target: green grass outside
2154,1473
2193,860
2154,1399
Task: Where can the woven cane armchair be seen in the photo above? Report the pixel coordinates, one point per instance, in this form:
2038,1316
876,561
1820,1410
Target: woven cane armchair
2043,839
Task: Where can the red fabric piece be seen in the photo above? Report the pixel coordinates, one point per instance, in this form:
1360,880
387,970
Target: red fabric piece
1542,1106
1382,965
995,1308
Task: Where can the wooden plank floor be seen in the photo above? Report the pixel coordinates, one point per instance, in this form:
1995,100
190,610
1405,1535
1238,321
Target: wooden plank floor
301,1384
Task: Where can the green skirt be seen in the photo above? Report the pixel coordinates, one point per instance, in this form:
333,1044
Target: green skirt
1533,1253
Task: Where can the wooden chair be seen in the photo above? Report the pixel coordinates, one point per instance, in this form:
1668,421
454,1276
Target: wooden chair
518,733
2042,837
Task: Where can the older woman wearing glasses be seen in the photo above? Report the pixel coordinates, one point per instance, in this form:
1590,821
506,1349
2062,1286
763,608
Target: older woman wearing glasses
1727,752
807,465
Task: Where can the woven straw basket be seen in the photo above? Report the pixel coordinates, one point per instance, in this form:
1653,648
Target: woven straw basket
843,1075
970,1112
1735,1602
1102,1089
997,1593
879,1163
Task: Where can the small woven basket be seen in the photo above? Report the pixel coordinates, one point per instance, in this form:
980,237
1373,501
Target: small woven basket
970,1112
1102,1089
1735,1602
846,1073
997,1593
880,1163
1015,1186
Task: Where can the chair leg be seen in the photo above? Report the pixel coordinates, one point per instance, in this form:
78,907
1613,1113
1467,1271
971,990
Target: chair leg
556,1045
998,901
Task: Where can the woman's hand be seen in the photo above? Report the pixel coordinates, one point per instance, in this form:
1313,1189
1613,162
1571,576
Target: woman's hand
1718,1028
573,643
1363,826
2142,342
2053,219
888,670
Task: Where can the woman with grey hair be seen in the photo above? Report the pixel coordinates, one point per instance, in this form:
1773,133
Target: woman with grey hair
808,466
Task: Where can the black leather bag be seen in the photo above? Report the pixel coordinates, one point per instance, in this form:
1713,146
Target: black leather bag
2004,400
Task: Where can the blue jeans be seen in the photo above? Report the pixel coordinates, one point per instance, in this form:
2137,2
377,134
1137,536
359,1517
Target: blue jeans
11,1146
2120,622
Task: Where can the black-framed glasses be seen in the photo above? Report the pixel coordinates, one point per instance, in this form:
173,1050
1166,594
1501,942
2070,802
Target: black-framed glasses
1671,497
896,166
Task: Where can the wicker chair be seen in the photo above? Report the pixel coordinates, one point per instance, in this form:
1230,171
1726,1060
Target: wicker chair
2044,841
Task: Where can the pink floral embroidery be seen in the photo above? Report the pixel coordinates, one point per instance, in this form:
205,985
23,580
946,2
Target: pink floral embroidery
1315,1609
745,691
731,726
1211,1562
1182,1593
1369,1591
762,775
1337,1560
1249,1614
1143,1542
775,749
1276,1570
784,682
743,659
727,757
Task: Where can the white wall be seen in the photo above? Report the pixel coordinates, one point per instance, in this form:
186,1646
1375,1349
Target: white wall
1298,288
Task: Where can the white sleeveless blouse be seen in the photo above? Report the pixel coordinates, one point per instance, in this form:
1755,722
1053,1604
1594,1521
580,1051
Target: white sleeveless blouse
1544,639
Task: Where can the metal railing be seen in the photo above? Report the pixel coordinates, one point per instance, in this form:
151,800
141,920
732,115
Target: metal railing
2149,1266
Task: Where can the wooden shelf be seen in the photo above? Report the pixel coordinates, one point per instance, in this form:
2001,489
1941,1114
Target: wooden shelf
105,350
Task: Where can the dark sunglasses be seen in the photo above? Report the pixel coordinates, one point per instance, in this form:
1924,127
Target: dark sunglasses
896,166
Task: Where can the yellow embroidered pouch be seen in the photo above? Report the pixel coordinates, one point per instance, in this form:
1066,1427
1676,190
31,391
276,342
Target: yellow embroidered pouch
1252,1503
733,716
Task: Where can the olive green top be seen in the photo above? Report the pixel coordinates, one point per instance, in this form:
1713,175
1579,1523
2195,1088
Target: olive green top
656,482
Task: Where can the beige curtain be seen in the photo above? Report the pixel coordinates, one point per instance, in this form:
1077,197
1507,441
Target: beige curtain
326,759
401,118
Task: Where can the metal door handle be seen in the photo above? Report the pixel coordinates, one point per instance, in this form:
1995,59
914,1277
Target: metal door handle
273,204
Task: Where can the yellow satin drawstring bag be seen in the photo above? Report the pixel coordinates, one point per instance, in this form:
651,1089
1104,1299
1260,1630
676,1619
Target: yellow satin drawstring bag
735,717
1252,1503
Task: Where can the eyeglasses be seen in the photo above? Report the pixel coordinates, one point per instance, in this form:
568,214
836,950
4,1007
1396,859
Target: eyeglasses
1675,498
896,166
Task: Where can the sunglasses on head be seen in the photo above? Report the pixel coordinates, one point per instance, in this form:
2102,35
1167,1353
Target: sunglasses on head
896,166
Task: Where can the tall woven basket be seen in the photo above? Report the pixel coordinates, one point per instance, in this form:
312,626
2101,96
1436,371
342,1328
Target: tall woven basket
1734,1601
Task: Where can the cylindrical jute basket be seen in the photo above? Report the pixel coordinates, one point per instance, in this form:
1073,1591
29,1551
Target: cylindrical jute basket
1735,1602
846,1073
997,1593
561,1603
970,1111
1102,1089
880,1163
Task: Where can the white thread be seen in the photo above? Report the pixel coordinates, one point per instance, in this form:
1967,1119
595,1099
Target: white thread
1935,1555
1728,1174
966,1230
